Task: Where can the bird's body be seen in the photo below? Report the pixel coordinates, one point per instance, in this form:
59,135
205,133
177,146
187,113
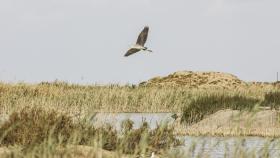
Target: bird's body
141,40
137,46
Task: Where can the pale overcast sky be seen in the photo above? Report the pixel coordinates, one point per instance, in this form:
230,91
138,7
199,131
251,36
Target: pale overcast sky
83,41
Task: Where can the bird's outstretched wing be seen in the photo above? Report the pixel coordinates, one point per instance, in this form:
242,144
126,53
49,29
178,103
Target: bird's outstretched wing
131,51
142,38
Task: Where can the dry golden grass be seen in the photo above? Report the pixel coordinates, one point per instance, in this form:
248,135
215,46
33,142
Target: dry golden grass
78,99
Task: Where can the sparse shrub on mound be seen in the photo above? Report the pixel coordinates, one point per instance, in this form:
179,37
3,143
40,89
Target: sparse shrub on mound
209,104
196,80
272,99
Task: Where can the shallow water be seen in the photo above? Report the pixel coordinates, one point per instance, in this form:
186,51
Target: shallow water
212,147
219,147
137,118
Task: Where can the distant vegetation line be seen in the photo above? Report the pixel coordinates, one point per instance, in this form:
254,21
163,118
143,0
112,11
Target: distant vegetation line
114,98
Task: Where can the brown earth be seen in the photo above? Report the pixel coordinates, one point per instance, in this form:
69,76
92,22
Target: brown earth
77,151
81,151
192,79
4,152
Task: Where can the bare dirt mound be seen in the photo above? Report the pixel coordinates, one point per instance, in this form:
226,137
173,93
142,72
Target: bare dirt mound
197,80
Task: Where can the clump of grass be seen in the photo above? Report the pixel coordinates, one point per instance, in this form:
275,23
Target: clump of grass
272,99
33,126
38,130
160,138
209,104
126,126
107,136
130,140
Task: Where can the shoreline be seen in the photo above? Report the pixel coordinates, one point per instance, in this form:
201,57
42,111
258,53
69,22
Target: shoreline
224,123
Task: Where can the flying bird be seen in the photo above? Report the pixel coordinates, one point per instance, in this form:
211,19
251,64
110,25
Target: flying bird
141,40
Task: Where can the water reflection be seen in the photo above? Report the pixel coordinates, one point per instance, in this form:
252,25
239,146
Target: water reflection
220,147
137,118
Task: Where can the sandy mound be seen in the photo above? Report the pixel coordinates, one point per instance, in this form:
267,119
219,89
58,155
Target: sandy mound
197,80
233,122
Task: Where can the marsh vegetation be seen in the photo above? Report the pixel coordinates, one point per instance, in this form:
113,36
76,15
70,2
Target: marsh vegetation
50,118
38,131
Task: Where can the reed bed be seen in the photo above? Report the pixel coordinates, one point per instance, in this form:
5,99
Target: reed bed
111,98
